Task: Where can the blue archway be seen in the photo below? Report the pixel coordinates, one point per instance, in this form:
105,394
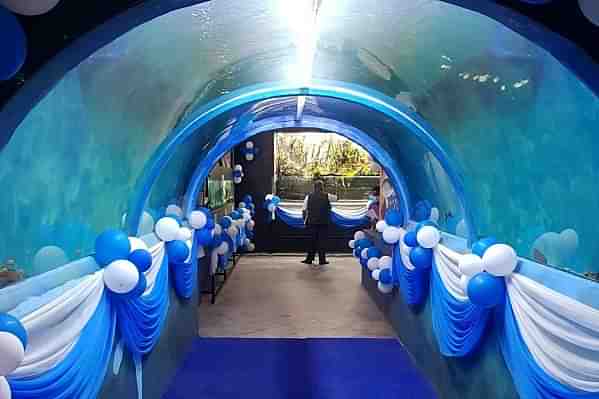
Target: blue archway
368,98
307,122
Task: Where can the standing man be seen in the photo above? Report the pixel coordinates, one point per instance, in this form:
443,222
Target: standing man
317,216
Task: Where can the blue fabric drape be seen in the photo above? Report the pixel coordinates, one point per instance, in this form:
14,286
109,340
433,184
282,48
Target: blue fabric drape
347,222
530,380
458,325
140,319
80,374
185,274
413,284
295,220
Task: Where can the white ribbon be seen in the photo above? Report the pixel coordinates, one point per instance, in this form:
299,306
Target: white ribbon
561,333
447,262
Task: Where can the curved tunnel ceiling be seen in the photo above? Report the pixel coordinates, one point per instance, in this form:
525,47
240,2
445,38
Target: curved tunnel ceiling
488,95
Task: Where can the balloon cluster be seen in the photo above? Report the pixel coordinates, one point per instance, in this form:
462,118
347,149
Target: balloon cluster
124,259
249,151
390,226
271,202
13,343
483,271
372,259
237,174
418,244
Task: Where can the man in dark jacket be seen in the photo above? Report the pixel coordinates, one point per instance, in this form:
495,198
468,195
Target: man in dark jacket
317,215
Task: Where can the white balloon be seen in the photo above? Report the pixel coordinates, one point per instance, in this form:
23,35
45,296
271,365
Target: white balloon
232,231
428,237
464,280
251,247
376,274
167,229
49,258
358,235
184,234
373,264
434,214
12,351
364,253
237,180
5,392
385,288
238,168
271,207
247,241
500,260
137,243
242,205
268,197
249,144
217,229
470,264
352,244
391,235
246,218
197,219
249,156
121,276
29,7
590,9
174,210
223,248
381,226
385,262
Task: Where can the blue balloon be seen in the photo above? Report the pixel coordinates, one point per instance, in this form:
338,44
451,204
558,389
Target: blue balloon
410,239
13,49
217,240
481,246
235,215
204,237
393,217
177,251
374,252
209,223
139,289
142,259
364,262
248,199
111,245
486,290
11,324
225,222
176,217
276,200
422,210
421,258
364,243
357,251
385,276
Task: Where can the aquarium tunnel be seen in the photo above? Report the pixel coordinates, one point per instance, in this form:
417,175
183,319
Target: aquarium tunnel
483,121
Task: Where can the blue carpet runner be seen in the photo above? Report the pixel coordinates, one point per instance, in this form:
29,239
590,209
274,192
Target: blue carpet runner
313,368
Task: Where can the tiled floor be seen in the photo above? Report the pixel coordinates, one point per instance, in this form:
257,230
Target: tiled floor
277,296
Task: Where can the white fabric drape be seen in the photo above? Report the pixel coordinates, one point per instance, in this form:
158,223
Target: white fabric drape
157,252
561,333
447,262
54,329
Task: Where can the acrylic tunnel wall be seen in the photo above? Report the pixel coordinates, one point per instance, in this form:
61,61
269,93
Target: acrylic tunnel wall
516,125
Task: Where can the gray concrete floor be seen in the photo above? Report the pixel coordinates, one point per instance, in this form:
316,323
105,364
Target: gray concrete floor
277,296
